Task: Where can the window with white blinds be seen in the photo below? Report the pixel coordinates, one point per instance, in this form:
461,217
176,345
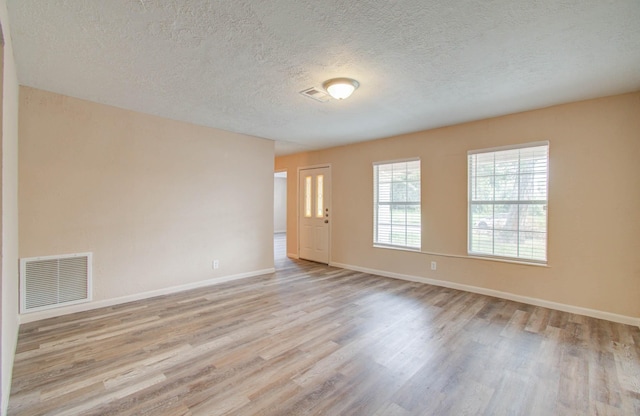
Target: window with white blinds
396,204
508,202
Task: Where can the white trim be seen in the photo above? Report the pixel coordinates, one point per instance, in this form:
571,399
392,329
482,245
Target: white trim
293,256
460,256
513,260
593,313
37,316
508,147
399,248
478,257
388,162
322,165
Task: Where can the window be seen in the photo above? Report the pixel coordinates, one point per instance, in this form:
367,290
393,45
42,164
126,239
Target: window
508,202
307,197
396,204
319,196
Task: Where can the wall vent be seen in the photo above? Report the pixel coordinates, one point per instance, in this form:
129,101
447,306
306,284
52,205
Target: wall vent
54,281
316,94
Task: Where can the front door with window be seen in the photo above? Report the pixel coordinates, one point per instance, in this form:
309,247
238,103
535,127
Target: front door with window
314,194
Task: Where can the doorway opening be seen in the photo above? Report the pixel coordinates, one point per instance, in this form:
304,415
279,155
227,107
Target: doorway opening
279,218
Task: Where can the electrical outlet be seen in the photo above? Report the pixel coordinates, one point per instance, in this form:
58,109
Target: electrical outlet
434,265
216,264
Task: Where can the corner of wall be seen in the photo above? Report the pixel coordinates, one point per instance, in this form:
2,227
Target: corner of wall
9,189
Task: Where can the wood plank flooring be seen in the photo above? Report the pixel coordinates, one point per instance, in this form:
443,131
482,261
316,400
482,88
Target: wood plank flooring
312,339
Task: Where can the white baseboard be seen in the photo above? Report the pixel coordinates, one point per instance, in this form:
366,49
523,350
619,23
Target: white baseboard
292,256
51,313
608,316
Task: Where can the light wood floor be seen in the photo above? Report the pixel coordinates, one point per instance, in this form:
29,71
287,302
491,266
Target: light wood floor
312,339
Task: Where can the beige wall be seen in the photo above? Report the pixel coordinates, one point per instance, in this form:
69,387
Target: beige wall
155,200
9,183
594,204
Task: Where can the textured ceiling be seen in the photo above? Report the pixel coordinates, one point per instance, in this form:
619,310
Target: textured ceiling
238,65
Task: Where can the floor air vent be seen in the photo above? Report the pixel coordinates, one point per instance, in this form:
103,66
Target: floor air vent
54,281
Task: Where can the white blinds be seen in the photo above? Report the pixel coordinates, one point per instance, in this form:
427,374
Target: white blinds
396,204
508,202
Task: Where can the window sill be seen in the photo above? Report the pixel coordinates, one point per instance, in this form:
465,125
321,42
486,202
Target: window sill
399,248
469,256
507,260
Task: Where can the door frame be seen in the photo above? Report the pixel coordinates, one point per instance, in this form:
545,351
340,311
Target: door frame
300,168
286,196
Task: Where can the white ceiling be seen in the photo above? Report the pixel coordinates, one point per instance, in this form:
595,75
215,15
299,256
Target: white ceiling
238,65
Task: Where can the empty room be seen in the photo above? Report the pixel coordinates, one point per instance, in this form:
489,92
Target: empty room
320,207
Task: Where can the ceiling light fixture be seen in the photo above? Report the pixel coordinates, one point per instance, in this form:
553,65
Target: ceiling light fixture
340,88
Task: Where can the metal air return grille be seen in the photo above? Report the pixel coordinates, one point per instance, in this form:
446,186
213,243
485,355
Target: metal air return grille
54,281
316,94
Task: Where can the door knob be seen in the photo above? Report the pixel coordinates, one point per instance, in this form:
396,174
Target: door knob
326,221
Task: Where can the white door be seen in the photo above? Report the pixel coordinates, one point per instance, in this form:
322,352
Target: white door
313,221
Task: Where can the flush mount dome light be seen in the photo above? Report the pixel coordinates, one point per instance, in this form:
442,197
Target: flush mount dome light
340,88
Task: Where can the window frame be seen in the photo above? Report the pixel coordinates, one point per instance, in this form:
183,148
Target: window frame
519,202
377,204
